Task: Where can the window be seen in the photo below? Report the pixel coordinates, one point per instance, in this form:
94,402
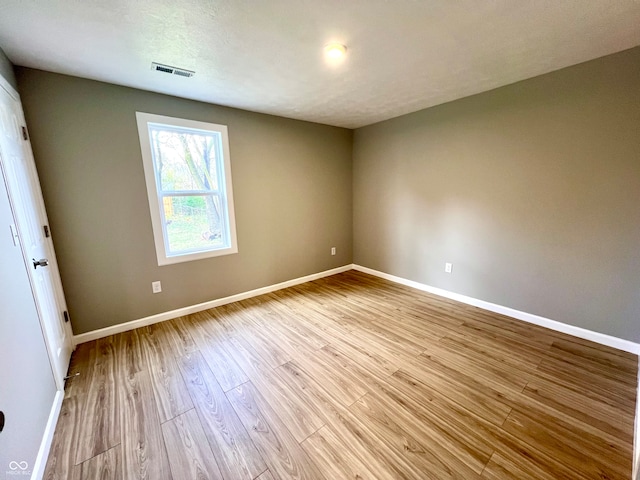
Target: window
188,173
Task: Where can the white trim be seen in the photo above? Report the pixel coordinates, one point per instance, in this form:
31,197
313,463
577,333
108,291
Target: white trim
579,332
636,435
161,317
156,206
9,88
601,338
45,446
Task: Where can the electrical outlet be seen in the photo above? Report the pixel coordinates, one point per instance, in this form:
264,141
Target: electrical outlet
448,267
156,286
333,250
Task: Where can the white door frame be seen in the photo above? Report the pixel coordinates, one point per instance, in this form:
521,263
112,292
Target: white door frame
59,379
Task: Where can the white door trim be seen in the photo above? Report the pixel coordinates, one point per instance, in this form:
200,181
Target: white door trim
9,88
57,287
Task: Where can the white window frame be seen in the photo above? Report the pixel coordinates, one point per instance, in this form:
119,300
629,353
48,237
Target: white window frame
154,190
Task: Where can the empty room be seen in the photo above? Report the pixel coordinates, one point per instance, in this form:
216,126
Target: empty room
285,239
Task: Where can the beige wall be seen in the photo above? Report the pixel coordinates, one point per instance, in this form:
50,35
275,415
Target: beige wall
6,70
292,189
532,191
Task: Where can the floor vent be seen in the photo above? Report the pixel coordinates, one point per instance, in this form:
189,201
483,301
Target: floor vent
158,67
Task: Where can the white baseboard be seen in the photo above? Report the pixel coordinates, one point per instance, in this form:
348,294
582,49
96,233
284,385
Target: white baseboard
161,317
579,332
45,446
636,435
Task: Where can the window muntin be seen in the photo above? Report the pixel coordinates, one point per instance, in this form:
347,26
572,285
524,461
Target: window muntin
188,175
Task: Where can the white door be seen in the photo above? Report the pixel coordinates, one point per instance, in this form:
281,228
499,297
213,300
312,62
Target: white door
27,386
37,246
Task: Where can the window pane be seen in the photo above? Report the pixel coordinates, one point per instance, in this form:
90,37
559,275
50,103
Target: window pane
188,176
194,222
185,160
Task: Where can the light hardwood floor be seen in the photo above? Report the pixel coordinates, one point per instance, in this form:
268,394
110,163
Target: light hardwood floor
348,377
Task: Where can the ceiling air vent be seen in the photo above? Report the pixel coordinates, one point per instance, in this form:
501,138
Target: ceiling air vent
158,67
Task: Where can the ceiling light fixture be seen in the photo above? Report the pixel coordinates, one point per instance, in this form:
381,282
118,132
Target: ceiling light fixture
335,50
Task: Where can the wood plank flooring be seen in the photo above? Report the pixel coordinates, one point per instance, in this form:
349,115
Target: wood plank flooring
347,377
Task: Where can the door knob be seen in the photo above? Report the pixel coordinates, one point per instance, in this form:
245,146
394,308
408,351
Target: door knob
43,262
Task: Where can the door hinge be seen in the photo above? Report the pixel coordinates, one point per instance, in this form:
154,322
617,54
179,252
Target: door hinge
46,231
25,135
66,316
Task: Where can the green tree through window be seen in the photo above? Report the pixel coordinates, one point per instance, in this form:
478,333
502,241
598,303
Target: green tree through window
191,181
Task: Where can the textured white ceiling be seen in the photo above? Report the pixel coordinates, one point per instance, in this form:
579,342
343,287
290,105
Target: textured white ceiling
267,55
